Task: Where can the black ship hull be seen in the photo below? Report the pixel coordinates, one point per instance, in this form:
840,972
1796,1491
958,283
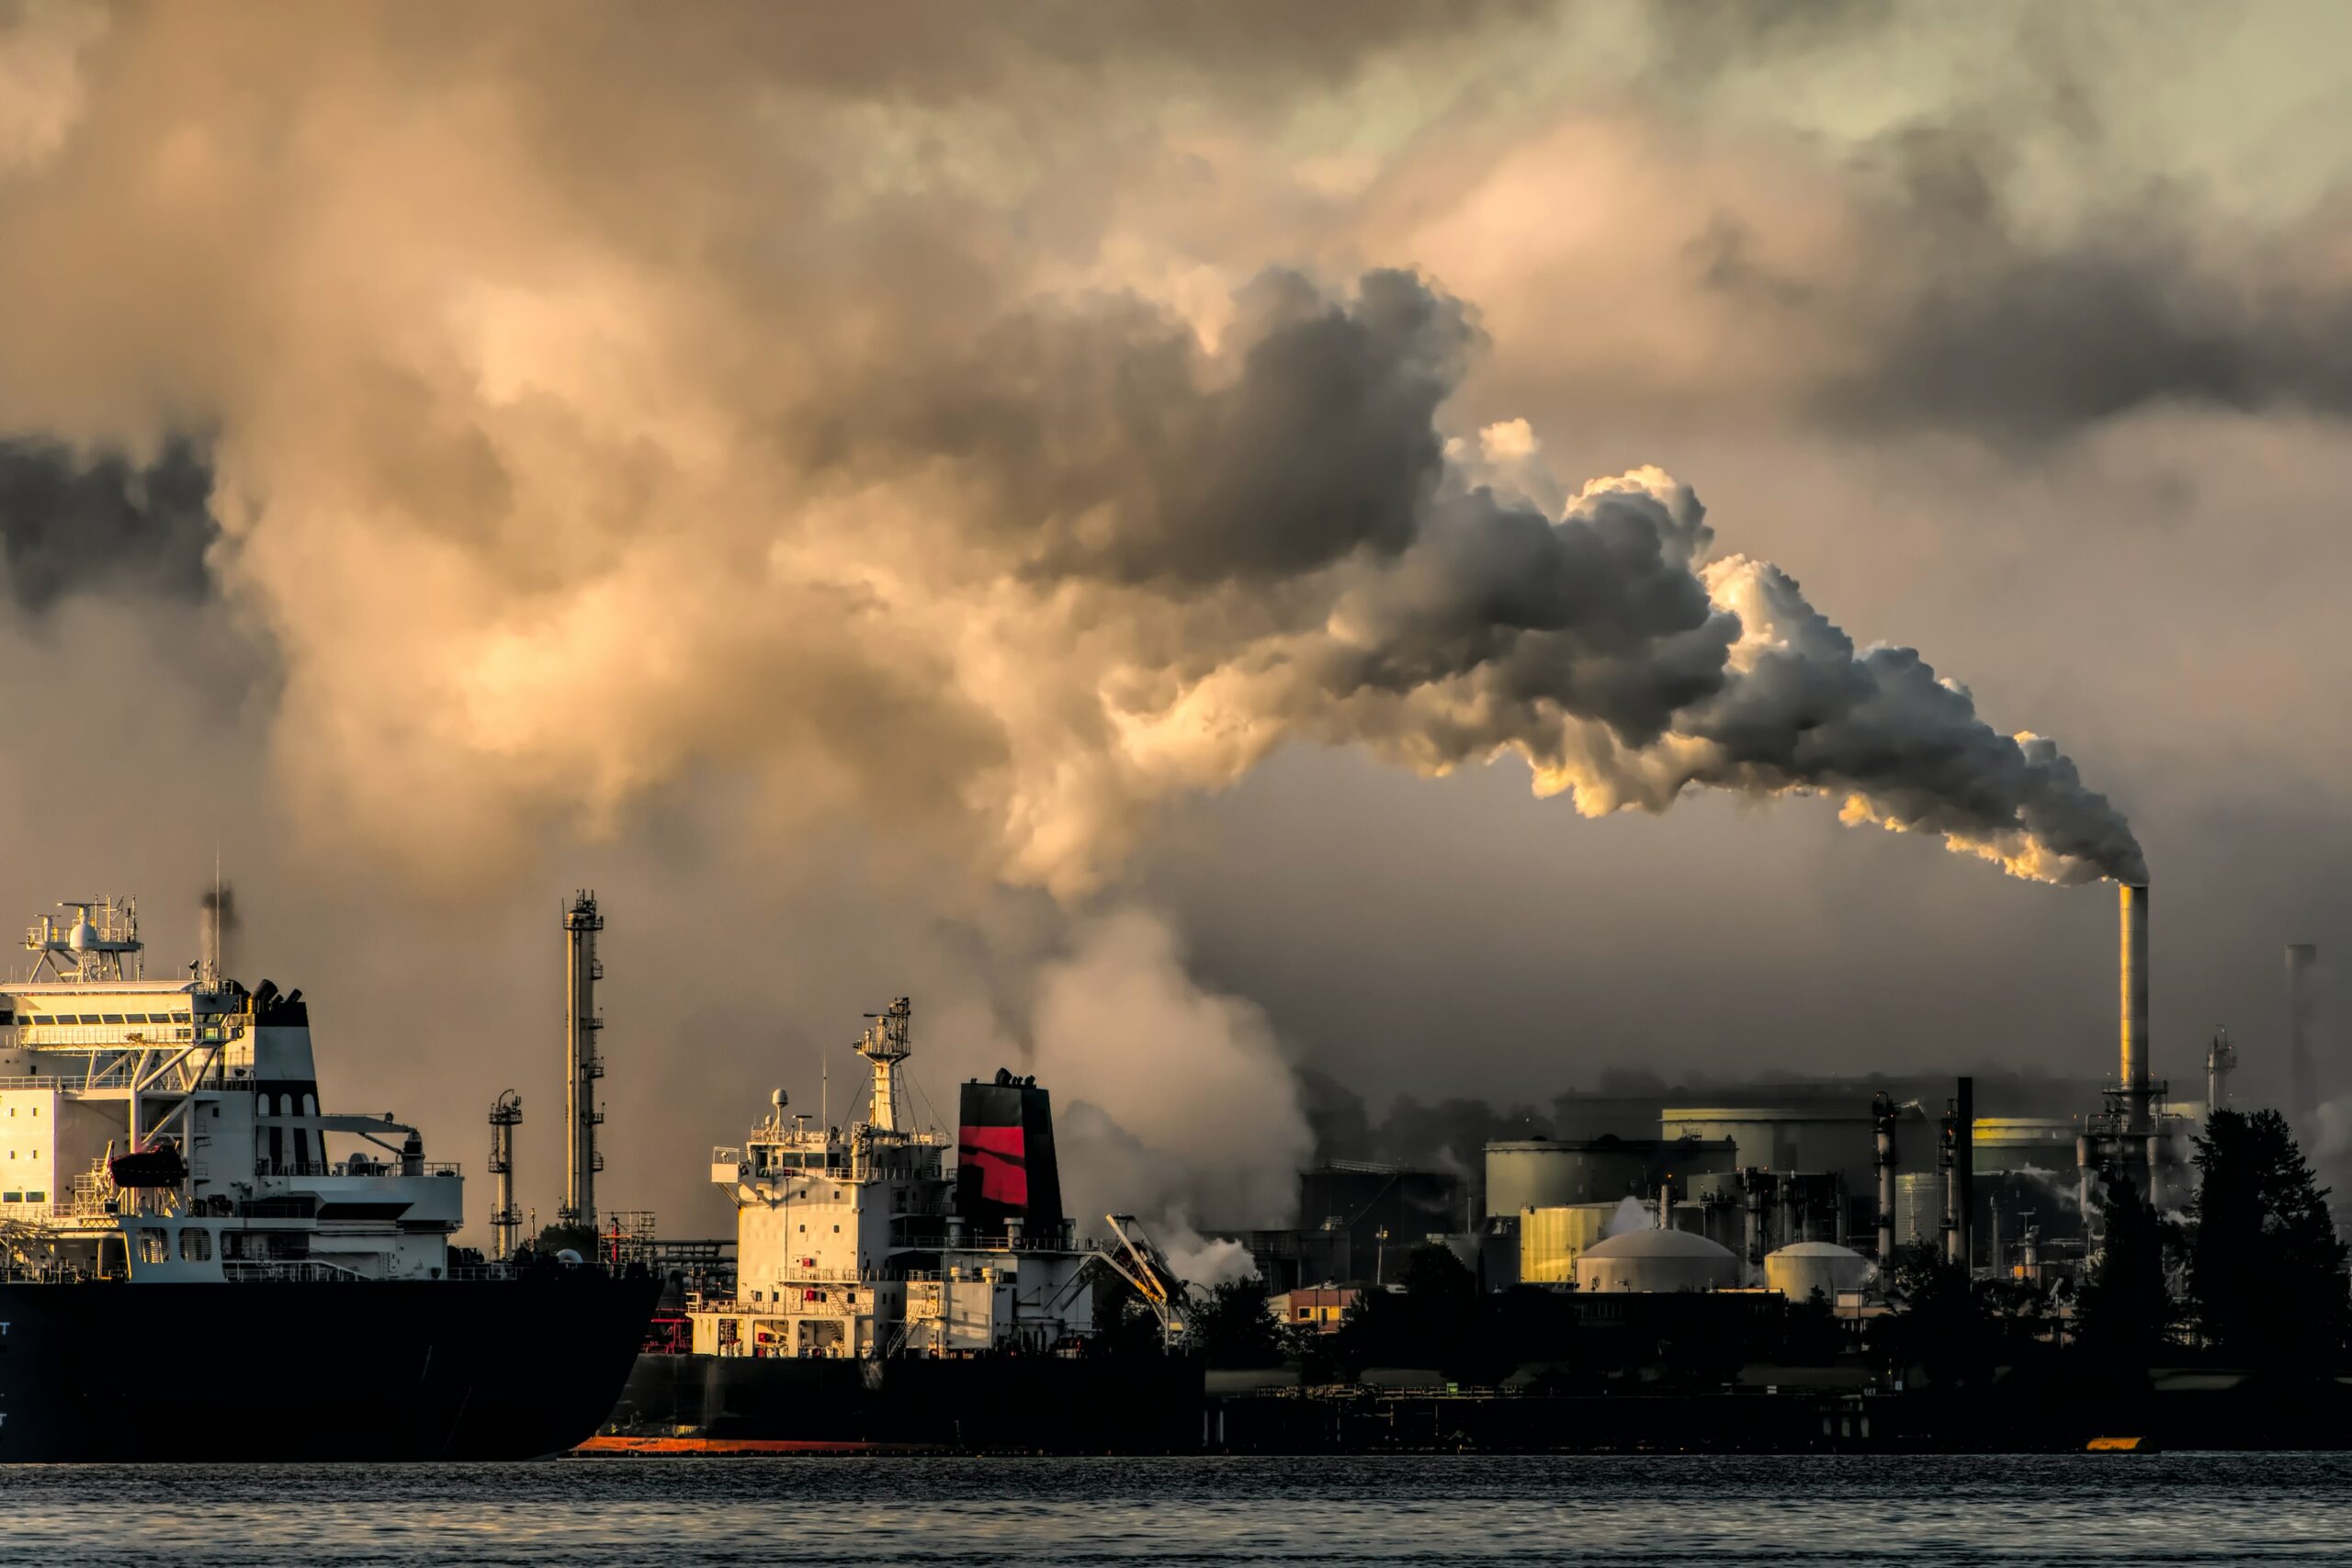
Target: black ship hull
112,1372
997,1403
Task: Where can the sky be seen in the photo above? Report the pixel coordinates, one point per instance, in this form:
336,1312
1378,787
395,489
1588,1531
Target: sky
1417,544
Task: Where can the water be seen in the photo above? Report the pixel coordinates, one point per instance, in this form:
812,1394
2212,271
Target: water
2178,1509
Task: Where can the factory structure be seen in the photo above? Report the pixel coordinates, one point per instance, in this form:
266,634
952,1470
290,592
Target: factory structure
1795,1190
618,1236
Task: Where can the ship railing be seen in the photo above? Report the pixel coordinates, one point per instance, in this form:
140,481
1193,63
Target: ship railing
310,1270
370,1169
823,1277
62,1082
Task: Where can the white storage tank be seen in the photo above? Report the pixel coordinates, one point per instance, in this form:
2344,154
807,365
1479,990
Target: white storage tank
1656,1261
1799,1269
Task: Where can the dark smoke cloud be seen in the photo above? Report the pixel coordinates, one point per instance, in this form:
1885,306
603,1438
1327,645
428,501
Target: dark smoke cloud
1294,555
70,523
2028,337
1108,444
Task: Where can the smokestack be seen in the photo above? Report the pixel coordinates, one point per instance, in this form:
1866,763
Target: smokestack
2133,904
581,1065
1948,1166
1963,1170
1882,1120
2302,1073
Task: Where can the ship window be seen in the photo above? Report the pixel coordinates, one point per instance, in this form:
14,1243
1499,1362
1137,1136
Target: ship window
111,1018
11,1197
85,1018
196,1244
36,1197
179,1018
804,1230
837,1230
152,1248
134,1018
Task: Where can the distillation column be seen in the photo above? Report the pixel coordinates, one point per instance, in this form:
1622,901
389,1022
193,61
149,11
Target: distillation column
505,1219
582,1064
2221,1061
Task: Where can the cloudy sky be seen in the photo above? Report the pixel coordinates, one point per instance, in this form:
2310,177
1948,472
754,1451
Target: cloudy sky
1193,541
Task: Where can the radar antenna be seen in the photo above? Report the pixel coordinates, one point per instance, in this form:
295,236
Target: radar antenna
101,942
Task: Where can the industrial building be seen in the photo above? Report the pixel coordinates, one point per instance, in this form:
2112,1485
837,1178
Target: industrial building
1359,1220
1545,1173
1785,1191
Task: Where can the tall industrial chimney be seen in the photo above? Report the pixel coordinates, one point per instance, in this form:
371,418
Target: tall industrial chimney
505,1219
583,1066
1883,1116
2134,1004
1964,1168
2302,1073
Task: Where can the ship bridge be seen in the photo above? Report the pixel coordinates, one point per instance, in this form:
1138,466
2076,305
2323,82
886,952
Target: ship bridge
172,1129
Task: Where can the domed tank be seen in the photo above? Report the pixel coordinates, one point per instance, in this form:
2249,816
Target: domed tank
1656,1261
1801,1267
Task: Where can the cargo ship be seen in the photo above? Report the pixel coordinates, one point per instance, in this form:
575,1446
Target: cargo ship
198,1264
885,1300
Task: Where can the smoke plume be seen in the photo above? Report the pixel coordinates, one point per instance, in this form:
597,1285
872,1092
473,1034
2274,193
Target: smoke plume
539,536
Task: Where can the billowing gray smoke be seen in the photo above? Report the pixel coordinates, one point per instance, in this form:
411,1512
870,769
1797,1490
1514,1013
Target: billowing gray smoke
781,465
1282,527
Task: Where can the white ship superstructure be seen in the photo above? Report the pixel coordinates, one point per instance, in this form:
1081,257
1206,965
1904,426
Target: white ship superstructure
849,1242
171,1129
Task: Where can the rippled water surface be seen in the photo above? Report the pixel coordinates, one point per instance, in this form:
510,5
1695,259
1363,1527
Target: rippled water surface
2119,1509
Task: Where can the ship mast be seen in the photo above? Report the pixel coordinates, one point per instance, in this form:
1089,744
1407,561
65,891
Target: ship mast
885,1045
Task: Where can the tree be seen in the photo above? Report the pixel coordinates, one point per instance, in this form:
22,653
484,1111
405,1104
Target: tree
1428,1320
2268,1274
1937,1323
1233,1326
1127,1328
2124,1312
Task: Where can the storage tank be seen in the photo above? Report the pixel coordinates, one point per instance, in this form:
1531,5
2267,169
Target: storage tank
2026,1143
1799,1269
1552,1239
1656,1261
1549,1173
1803,1133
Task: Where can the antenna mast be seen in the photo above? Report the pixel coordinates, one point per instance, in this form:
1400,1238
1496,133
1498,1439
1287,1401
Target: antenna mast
885,1045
